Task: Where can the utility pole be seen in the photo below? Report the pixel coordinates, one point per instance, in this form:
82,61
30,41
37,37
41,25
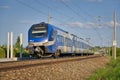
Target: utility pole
48,18
109,47
114,38
11,44
8,45
21,45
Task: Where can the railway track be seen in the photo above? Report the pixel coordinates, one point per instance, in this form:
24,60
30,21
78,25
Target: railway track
39,62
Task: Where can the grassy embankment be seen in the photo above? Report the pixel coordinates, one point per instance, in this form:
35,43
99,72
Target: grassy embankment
110,72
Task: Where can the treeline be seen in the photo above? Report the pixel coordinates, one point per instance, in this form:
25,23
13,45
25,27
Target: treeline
106,50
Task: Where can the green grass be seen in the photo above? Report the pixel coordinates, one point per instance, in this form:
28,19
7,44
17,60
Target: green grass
111,72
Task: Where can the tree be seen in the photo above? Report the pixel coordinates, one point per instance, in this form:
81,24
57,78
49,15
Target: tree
17,44
17,47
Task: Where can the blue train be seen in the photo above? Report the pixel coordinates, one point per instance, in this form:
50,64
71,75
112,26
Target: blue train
46,39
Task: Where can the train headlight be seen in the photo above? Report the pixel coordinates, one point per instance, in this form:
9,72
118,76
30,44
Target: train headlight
31,44
31,40
46,40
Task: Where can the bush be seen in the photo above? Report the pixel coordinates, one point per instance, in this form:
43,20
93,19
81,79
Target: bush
117,52
2,53
17,53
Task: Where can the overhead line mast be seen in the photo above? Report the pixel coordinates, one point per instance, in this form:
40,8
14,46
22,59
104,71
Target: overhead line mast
48,17
114,37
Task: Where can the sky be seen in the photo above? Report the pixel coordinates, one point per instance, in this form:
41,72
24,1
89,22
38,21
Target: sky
88,19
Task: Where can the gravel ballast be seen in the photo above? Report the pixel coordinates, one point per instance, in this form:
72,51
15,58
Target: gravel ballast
76,70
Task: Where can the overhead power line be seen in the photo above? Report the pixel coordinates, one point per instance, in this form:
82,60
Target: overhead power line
82,10
81,16
27,5
49,7
72,10
37,10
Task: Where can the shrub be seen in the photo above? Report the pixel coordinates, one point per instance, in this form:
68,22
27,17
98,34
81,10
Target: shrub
117,52
2,53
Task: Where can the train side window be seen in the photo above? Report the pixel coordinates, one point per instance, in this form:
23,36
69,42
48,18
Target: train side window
53,35
58,38
62,40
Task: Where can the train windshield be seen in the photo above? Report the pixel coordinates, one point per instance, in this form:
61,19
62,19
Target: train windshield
38,31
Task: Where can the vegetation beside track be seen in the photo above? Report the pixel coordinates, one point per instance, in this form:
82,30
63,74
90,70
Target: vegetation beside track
16,50
110,72
2,51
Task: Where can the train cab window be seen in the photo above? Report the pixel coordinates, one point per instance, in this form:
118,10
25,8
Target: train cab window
38,31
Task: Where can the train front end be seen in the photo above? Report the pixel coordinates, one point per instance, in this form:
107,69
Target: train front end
38,39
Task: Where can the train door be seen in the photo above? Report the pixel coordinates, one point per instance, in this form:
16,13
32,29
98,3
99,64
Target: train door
65,48
73,45
71,42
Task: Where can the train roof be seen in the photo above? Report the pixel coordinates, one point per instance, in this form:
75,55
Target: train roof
58,28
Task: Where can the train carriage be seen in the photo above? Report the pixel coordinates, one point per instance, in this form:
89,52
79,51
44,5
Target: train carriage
46,39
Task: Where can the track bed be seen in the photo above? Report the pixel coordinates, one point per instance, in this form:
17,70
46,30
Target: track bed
53,69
